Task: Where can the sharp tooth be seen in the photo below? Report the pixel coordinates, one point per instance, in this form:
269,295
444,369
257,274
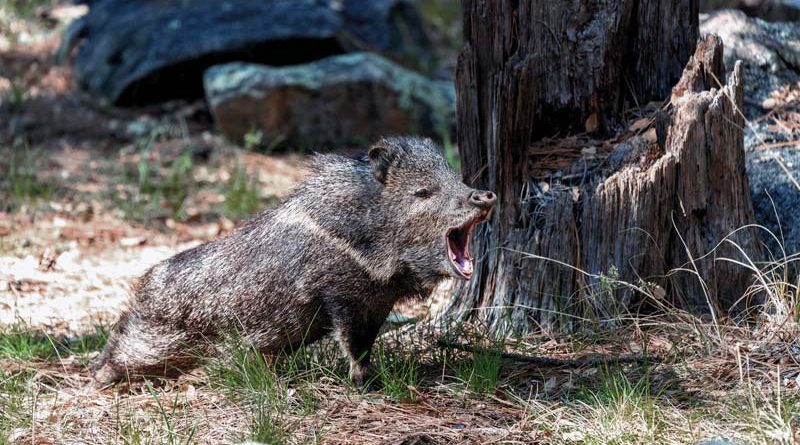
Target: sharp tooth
468,268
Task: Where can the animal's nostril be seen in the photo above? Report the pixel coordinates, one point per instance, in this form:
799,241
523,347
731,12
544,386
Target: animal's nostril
482,199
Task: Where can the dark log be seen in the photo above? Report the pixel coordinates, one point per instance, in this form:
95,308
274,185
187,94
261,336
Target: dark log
578,215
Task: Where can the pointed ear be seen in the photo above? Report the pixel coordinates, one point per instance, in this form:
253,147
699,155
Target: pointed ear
381,156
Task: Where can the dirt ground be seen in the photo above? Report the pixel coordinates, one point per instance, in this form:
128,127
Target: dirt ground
91,196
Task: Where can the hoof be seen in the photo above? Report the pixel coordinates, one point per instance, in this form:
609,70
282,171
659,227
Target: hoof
106,376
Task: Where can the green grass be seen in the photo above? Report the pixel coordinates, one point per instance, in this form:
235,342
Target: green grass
160,188
129,430
274,389
616,388
266,425
87,343
247,376
17,343
14,393
619,407
16,95
451,152
155,186
83,345
480,373
253,139
177,183
173,437
241,194
160,424
20,343
24,8
397,371
245,371
440,15
22,183
154,183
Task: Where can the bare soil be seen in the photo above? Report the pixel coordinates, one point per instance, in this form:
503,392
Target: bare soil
87,203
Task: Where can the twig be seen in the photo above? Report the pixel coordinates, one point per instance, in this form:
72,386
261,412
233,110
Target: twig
766,146
786,170
550,361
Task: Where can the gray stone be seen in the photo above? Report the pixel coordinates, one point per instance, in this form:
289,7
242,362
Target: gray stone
770,10
342,100
771,56
770,52
626,152
776,196
716,442
145,51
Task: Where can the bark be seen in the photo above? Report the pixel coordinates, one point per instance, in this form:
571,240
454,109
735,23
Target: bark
647,200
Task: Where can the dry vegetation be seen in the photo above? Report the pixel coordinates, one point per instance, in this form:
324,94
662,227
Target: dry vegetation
85,208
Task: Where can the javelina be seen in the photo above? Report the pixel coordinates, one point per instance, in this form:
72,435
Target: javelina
352,239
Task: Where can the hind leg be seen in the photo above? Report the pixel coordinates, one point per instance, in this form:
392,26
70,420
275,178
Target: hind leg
138,347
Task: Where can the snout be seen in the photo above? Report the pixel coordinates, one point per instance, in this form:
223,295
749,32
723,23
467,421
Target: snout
482,199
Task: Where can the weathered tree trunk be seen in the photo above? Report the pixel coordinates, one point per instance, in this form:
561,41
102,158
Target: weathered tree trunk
648,200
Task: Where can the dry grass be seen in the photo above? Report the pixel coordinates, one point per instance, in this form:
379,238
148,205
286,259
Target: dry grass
80,227
715,378
736,382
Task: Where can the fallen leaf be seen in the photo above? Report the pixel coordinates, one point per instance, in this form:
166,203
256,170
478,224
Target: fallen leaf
640,124
592,123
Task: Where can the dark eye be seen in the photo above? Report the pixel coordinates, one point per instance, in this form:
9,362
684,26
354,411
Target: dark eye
423,193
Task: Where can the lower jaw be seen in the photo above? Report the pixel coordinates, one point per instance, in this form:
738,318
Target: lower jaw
455,273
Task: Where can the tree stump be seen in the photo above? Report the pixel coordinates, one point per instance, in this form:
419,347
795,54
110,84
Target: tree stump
644,203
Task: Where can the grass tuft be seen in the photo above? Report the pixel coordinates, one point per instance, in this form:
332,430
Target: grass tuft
24,8
481,371
21,343
247,376
14,393
22,184
241,194
397,371
18,343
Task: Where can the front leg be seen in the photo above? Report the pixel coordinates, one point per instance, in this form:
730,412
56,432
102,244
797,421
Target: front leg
356,328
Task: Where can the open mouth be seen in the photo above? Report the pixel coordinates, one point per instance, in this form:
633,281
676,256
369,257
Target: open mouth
457,241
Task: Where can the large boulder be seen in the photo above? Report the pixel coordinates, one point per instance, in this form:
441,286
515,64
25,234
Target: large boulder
770,52
774,176
144,51
338,101
771,56
770,10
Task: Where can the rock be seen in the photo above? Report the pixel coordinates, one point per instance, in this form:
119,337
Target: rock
145,51
342,100
716,442
771,56
769,171
770,10
626,152
770,52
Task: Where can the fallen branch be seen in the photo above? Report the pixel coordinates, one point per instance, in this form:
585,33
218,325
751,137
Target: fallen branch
550,361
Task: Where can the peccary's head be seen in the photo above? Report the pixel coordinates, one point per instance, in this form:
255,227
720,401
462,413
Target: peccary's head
429,211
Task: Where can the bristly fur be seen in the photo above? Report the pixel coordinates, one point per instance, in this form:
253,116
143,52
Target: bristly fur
352,239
